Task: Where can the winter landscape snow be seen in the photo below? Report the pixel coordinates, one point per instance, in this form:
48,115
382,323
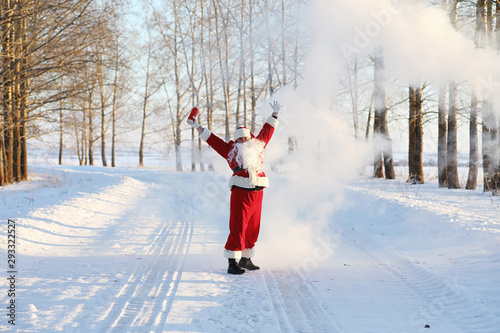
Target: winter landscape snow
130,249
140,250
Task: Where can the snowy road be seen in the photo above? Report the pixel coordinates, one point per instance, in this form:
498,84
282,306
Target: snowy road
415,259
140,251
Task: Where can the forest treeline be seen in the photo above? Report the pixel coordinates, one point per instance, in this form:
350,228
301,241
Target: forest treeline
95,73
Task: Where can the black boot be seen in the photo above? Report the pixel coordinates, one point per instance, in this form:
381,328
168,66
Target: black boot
234,268
248,264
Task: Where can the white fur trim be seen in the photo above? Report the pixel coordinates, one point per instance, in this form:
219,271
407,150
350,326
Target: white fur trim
232,254
248,253
242,132
273,122
205,134
245,182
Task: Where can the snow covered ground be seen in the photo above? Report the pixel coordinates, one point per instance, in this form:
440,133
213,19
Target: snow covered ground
140,250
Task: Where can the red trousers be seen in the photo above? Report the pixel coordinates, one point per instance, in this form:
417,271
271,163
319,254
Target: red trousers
244,220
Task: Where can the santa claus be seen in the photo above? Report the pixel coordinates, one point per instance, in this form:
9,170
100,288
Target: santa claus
245,156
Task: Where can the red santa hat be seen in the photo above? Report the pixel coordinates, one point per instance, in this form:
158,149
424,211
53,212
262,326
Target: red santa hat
242,132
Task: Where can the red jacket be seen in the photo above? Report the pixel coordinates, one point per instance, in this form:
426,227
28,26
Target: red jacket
241,178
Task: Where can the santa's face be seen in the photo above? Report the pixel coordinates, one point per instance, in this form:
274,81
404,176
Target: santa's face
248,153
243,139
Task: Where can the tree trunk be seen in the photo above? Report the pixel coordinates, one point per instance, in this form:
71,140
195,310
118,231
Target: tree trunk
224,63
84,156
77,139
145,107
473,145
452,154
490,125
23,96
16,114
479,38
241,117
269,53
103,136
91,133
415,151
253,92
378,162
7,97
207,76
353,83
179,94
442,138
383,150
113,110
103,111
61,134
284,81
490,148
2,156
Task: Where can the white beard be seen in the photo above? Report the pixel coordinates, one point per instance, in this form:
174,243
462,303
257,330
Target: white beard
249,155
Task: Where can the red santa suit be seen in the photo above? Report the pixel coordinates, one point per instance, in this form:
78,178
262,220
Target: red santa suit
246,193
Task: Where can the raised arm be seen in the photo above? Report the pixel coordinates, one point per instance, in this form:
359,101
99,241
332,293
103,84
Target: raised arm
276,106
219,145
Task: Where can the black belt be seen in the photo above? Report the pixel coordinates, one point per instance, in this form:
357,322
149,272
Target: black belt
238,168
256,188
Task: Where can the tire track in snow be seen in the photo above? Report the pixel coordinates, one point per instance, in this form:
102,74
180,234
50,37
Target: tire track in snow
147,297
154,310
126,297
297,305
443,301
82,219
467,217
87,216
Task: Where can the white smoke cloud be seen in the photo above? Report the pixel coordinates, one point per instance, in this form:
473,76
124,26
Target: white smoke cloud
419,45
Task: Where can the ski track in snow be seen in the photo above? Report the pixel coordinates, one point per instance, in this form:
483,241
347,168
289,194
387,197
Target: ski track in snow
297,305
149,260
471,218
147,295
438,300
434,299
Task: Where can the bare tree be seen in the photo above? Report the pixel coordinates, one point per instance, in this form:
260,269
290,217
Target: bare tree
114,105
452,154
253,88
479,38
145,99
354,93
103,101
222,20
442,127
442,137
270,52
383,148
415,149
242,81
170,25
43,43
189,47
490,137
